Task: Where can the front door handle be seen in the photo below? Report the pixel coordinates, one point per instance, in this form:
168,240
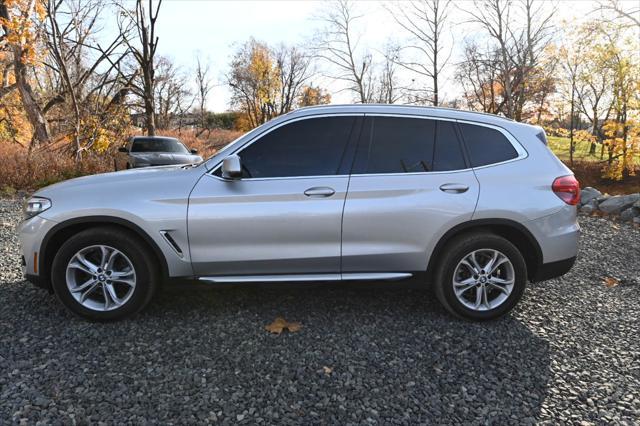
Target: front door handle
319,192
454,188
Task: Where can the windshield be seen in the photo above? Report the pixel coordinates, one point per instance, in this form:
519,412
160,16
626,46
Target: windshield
158,145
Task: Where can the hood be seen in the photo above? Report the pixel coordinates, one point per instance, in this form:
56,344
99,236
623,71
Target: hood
127,180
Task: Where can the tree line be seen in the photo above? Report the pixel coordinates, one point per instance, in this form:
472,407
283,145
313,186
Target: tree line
65,83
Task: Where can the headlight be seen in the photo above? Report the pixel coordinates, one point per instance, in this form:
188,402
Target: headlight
35,205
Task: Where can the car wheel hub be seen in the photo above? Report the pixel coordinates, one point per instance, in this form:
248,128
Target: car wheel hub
483,280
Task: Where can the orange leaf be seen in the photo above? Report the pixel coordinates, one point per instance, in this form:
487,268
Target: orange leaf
279,324
610,282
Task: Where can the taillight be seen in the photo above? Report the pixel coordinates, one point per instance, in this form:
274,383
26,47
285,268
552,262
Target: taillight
567,188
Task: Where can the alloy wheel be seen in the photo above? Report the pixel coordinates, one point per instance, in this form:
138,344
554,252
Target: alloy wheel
101,278
483,279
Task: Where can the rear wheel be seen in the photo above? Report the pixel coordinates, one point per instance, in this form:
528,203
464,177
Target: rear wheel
103,274
480,276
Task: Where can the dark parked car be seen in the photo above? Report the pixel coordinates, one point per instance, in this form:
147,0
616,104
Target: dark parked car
144,151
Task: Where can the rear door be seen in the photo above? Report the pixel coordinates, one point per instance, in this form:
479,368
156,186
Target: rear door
410,183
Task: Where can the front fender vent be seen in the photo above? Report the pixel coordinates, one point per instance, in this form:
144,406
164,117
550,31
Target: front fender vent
169,239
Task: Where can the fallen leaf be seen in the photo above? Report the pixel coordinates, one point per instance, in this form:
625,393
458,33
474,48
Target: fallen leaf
327,370
610,282
279,324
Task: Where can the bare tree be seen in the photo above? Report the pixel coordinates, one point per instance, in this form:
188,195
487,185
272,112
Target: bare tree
71,27
477,74
203,83
338,45
388,89
425,21
629,14
143,20
171,94
294,69
519,46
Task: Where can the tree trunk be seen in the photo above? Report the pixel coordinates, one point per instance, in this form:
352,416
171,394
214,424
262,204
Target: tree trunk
34,112
571,144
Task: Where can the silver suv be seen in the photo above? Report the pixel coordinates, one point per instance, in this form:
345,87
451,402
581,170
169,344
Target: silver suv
474,204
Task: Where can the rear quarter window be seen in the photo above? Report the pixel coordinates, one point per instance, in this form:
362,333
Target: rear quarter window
486,145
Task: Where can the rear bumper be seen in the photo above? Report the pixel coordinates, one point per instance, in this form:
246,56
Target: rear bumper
550,270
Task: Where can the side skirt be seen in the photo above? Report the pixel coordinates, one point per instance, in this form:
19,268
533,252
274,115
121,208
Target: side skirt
351,276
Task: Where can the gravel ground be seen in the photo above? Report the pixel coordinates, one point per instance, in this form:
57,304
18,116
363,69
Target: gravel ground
570,352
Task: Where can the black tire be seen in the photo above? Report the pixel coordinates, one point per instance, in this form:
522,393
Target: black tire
455,251
146,274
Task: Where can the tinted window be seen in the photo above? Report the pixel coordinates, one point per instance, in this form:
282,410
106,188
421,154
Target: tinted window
158,145
448,153
400,145
312,147
408,145
486,145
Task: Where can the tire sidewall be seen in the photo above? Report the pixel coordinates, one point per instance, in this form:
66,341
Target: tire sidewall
458,252
133,250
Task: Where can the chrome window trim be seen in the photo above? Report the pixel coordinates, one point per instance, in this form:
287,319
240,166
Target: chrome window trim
520,150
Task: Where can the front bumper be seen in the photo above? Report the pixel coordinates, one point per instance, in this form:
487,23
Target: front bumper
32,232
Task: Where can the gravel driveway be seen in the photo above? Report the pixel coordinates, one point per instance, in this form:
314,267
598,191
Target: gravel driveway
379,353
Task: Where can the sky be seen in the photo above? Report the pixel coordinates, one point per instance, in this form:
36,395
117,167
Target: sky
213,29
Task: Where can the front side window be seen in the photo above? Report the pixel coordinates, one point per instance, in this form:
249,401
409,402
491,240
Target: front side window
486,145
158,145
408,145
311,147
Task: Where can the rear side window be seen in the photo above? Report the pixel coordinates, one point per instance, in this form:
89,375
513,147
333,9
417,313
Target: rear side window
486,145
311,147
408,145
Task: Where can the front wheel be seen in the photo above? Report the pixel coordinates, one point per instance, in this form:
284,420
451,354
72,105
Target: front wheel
480,276
104,274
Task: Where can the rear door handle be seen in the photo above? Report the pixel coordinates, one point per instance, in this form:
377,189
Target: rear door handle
319,192
454,188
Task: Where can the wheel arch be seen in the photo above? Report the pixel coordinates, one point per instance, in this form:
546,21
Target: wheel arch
513,231
61,232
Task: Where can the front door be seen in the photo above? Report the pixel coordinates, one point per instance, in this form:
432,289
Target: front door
284,215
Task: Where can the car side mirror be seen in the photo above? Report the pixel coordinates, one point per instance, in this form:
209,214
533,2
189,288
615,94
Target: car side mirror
194,151
231,167
123,149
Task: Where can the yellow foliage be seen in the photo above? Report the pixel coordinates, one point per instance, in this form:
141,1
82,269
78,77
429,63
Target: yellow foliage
22,27
623,150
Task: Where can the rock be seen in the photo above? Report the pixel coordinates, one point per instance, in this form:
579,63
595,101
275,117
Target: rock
588,194
587,208
618,203
636,220
628,214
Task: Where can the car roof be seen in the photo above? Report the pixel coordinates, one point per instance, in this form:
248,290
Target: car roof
135,138
430,111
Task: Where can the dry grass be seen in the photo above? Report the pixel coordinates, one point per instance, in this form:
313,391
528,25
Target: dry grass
24,170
